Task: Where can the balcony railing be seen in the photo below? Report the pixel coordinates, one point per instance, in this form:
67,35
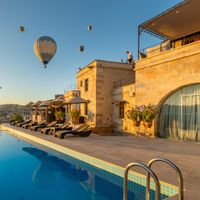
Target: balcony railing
155,49
70,87
167,45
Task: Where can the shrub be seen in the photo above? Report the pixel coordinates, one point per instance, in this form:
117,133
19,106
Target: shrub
74,115
149,113
18,118
60,116
134,114
144,113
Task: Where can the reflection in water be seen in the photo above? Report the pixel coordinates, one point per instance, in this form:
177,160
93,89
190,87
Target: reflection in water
44,175
43,178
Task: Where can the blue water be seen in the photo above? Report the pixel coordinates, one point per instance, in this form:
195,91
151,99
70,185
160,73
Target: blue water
32,172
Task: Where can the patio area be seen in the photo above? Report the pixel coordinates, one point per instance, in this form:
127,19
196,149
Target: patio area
121,150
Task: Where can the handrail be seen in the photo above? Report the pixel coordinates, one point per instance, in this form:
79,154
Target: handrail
181,193
128,167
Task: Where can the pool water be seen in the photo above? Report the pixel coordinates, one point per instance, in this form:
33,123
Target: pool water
32,172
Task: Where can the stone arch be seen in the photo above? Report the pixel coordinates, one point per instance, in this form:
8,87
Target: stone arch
164,99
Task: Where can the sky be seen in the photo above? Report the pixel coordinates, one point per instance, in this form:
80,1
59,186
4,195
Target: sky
23,77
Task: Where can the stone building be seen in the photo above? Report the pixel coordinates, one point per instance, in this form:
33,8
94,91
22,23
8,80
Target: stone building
166,75
95,82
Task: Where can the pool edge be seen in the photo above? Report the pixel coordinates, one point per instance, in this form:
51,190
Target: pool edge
167,188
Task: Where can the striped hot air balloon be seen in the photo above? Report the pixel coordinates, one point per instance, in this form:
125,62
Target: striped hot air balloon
45,48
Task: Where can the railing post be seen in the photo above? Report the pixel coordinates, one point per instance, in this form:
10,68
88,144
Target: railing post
150,172
181,193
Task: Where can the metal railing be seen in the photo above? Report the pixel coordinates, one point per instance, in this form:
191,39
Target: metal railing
154,49
181,193
150,172
72,86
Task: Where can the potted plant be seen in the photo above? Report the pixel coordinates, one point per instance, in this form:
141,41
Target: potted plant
60,116
135,115
149,114
74,115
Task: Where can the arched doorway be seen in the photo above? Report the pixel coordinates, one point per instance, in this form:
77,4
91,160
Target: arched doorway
180,115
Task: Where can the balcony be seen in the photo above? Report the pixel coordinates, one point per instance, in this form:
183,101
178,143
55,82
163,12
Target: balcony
158,56
168,45
71,87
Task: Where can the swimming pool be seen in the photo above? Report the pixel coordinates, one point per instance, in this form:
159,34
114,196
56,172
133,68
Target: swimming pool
29,171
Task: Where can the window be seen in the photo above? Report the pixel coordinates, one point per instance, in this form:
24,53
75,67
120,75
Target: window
81,83
121,110
180,115
86,109
86,84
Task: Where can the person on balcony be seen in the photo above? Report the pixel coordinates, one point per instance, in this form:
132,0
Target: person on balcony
130,57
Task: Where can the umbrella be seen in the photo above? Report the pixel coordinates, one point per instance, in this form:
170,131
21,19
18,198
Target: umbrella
45,103
37,104
75,100
57,101
30,104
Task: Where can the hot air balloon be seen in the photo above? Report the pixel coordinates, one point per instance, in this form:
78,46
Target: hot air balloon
21,29
45,48
89,28
81,48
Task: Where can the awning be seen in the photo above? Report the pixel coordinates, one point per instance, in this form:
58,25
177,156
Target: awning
37,104
181,20
30,104
57,101
75,100
45,103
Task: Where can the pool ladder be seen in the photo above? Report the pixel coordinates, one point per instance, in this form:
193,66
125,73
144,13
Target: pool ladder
155,178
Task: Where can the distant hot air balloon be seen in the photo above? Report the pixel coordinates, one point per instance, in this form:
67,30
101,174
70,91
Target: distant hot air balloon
21,29
81,48
45,47
89,28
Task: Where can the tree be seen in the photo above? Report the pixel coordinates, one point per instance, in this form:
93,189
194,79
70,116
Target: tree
18,118
60,116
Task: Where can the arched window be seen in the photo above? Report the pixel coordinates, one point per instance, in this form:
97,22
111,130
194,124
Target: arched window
180,115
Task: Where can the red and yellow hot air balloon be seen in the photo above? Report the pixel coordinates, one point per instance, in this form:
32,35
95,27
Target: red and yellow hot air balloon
45,48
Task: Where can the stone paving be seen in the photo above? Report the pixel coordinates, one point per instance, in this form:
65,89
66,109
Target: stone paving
121,150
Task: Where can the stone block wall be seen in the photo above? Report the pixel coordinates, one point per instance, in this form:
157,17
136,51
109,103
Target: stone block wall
102,75
124,94
159,76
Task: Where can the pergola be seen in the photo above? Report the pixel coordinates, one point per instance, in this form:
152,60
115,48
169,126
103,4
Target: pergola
176,22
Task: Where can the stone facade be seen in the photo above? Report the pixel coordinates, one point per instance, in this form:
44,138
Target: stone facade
103,77
160,75
157,77
126,95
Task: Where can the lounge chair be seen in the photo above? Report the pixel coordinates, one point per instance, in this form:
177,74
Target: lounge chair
37,128
82,131
14,123
65,126
22,123
35,124
32,123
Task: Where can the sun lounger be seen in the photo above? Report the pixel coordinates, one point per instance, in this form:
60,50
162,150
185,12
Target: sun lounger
36,124
14,123
37,128
22,123
82,131
65,126
29,124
